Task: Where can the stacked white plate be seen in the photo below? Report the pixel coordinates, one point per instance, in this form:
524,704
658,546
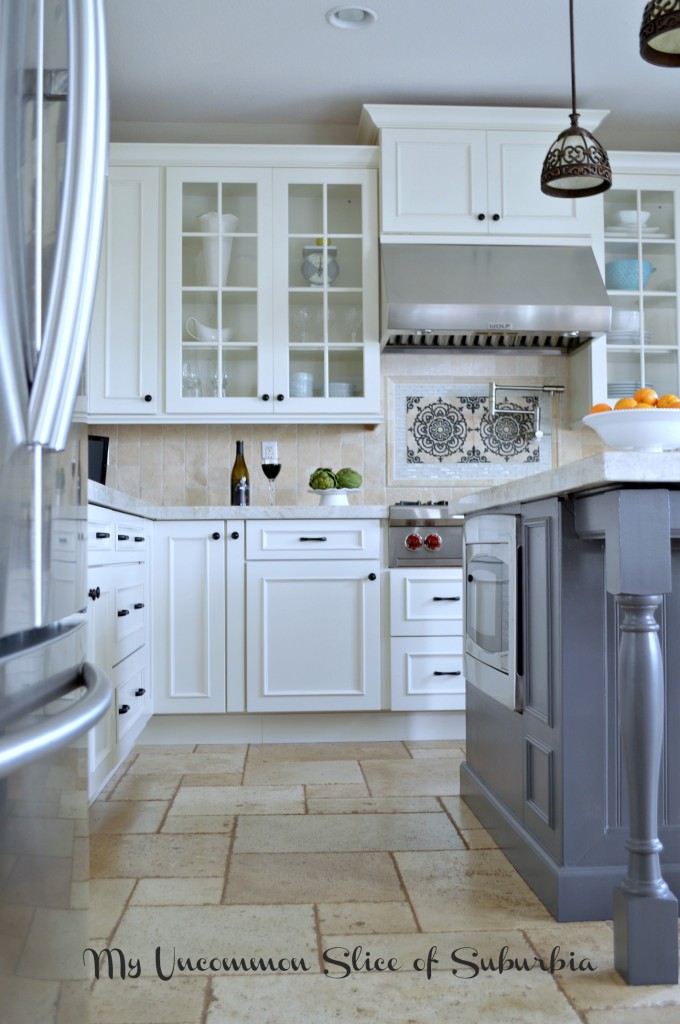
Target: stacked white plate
619,231
627,337
622,389
301,385
340,389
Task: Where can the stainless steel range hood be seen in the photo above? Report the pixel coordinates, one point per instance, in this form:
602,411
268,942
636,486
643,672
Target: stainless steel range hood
519,297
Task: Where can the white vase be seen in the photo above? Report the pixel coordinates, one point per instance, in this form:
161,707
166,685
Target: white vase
218,227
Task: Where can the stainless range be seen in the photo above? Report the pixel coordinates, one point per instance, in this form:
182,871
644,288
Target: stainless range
424,535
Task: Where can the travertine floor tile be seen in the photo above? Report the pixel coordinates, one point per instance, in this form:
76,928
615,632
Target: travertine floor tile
48,951
220,748
267,753
635,1015
340,832
604,988
460,812
218,931
336,791
311,878
196,823
148,1000
164,892
411,778
365,918
478,839
477,889
290,773
151,762
223,800
388,999
436,744
212,779
158,856
146,787
432,753
108,897
126,816
372,805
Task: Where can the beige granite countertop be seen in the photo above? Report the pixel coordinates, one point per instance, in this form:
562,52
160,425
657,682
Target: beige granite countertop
97,494
603,470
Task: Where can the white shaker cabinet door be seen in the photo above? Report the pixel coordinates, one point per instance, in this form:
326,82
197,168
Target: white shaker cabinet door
189,617
123,348
313,636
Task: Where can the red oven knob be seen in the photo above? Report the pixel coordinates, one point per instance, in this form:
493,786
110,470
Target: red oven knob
433,542
414,541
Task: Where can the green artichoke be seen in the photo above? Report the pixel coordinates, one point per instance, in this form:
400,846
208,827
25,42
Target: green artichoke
348,478
323,479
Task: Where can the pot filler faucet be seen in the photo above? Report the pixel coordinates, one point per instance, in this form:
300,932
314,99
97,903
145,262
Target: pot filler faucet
547,389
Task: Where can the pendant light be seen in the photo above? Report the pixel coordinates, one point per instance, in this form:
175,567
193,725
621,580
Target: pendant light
660,33
576,164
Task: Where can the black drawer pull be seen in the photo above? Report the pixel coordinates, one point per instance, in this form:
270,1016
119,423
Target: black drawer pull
122,612
317,539
102,536
123,536
94,593
140,692
138,605
139,540
123,709
63,540
446,599
446,673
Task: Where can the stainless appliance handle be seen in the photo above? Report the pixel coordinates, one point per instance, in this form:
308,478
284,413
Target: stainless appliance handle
23,747
76,257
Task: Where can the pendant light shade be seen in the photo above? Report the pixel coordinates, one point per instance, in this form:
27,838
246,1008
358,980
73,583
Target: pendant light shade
660,33
576,164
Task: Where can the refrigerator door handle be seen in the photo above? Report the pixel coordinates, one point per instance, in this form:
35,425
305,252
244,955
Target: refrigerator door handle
71,289
26,746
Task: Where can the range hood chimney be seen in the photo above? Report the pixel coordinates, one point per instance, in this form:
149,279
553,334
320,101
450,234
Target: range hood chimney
518,297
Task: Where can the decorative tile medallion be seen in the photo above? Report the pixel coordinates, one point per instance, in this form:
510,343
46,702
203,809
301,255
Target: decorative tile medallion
444,431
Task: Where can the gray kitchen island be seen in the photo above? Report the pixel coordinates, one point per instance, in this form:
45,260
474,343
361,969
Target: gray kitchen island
580,786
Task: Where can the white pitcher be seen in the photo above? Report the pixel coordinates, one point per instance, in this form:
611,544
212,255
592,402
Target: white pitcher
216,225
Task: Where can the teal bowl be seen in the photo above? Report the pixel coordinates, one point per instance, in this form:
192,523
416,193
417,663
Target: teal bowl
624,275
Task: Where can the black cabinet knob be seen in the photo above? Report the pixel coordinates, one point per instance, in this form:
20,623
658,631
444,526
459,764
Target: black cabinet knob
279,398
372,576
481,216
123,612
265,398
123,709
496,216
235,535
140,692
215,536
470,577
94,593
147,398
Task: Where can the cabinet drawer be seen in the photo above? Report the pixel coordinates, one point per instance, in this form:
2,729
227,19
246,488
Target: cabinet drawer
132,537
129,610
313,539
130,679
426,602
100,532
427,673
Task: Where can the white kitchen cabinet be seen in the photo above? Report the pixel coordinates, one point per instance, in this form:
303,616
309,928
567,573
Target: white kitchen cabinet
313,615
426,626
123,353
189,620
118,634
249,338
472,171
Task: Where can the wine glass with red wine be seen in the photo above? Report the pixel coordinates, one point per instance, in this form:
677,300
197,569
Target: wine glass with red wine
271,467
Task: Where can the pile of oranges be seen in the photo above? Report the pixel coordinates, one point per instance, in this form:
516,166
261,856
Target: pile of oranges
644,398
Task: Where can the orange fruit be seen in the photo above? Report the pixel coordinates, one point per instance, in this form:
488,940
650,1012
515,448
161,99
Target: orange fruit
667,401
647,395
645,405
626,403
601,407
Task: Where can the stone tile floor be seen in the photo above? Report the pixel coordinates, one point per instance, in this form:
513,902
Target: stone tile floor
331,860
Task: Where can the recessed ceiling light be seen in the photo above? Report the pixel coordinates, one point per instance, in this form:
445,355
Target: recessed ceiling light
353,16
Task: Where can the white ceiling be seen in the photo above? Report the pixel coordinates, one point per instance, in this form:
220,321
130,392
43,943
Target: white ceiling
273,63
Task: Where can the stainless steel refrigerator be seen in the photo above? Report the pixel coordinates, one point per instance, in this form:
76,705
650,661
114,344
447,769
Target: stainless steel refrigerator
53,146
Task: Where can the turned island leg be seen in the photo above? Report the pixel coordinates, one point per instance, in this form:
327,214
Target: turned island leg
645,910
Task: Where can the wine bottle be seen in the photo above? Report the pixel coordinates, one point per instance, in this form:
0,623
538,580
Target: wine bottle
240,481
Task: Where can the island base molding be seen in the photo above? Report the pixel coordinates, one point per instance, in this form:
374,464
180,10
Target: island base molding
327,727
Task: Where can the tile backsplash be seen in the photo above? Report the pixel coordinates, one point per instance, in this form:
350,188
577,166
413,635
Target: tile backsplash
190,464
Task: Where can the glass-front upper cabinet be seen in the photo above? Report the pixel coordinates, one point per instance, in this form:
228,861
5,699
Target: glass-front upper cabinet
326,292
641,275
218,288
272,294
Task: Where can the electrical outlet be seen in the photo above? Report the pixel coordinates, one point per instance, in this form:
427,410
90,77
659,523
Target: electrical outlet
269,450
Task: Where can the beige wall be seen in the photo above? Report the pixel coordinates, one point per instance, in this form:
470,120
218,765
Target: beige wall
191,464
